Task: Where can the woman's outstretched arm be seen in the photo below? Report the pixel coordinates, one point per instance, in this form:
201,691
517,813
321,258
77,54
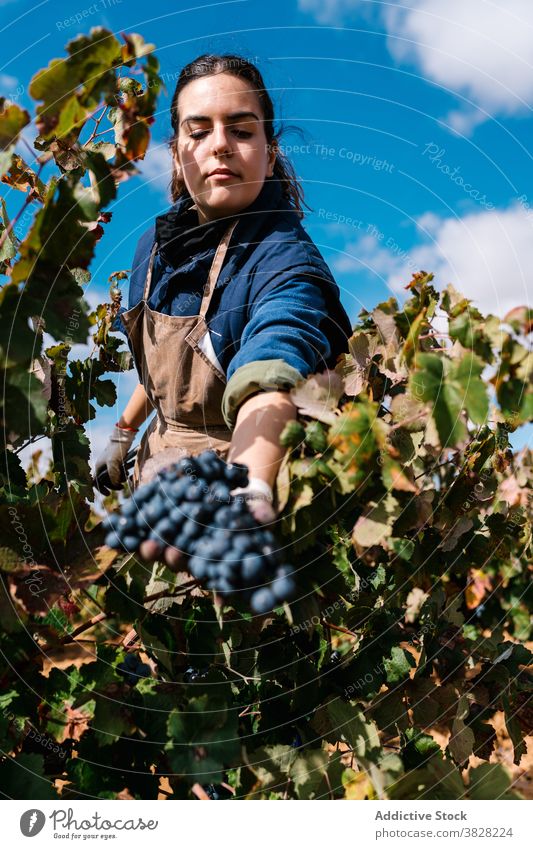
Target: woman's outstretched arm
137,409
255,441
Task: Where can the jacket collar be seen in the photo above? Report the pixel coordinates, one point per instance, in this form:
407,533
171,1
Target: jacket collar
249,223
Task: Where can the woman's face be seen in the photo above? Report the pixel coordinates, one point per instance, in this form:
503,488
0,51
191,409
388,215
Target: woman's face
221,127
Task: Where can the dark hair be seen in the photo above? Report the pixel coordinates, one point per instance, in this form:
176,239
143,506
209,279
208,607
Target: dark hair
209,64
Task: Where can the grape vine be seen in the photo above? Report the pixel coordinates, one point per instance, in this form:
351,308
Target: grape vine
404,515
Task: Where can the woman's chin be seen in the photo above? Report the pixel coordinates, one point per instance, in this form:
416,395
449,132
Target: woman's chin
222,201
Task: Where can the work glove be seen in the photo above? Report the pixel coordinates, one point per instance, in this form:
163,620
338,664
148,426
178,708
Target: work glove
115,461
259,498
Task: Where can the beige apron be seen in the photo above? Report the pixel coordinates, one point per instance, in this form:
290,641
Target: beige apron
179,378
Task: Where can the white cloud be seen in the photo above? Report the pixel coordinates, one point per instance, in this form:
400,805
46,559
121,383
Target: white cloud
479,49
330,12
488,256
482,49
156,167
8,84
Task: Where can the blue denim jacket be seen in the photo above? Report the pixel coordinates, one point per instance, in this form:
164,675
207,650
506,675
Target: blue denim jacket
275,315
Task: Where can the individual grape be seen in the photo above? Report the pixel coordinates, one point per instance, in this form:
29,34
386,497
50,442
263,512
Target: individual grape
113,540
242,544
191,528
184,542
262,600
204,547
155,510
174,558
252,568
221,491
214,548
130,542
165,530
188,466
150,549
192,511
176,516
111,521
177,489
143,495
243,523
193,492
224,516
129,508
198,568
283,588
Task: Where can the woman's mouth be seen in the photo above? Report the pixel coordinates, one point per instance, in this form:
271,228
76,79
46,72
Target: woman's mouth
222,174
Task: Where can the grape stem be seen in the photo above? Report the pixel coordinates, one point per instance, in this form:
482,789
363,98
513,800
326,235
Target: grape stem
27,200
97,124
342,630
247,712
244,677
71,638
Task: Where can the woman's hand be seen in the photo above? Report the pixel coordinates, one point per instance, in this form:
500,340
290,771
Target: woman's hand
255,443
112,466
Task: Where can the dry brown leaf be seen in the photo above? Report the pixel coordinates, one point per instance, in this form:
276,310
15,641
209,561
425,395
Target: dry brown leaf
318,396
479,584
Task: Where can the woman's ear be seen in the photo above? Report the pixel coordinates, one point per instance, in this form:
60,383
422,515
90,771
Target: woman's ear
175,160
272,153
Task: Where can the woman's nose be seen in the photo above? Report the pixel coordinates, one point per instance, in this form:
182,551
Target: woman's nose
220,140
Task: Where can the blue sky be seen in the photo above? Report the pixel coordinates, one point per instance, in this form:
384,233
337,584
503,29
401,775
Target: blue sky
416,125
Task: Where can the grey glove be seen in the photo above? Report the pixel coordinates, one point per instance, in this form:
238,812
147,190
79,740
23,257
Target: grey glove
111,467
259,498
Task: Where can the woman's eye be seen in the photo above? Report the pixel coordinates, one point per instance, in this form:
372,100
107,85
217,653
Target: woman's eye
241,134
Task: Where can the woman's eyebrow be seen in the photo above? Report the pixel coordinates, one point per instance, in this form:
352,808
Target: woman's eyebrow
233,116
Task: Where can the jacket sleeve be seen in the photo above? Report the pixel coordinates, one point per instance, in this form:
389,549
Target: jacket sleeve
283,342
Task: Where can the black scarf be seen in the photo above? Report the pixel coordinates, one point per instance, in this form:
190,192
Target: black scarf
181,237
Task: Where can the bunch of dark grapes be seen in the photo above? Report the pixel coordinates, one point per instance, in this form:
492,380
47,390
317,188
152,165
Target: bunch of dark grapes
188,509
133,669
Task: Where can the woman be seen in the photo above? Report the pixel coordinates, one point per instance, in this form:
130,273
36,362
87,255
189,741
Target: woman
230,301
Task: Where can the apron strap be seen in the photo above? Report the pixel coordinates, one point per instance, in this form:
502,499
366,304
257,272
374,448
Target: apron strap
148,281
216,266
